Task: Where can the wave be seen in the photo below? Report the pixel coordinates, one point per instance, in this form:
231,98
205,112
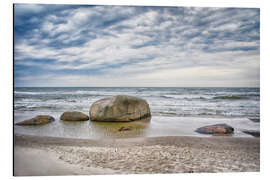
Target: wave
167,97
32,108
21,94
222,97
41,93
167,113
185,97
231,97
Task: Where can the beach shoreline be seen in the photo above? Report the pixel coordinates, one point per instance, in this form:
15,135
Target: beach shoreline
37,155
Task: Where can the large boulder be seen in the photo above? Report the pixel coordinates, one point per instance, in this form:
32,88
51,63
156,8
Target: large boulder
38,120
216,129
120,108
74,116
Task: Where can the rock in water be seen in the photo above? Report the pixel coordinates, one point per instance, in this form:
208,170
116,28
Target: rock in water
257,120
74,116
124,129
38,120
120,108
216,129
252,132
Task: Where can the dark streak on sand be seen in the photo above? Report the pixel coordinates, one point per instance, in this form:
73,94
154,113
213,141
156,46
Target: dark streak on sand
196,142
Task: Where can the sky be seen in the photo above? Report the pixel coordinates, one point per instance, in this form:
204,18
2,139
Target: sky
79,45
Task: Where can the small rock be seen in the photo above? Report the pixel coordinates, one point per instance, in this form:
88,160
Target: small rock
74,116
61,157
216,129
255,119
38,120
252,132
124,129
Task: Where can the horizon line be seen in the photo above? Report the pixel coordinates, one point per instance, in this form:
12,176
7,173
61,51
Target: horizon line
137,86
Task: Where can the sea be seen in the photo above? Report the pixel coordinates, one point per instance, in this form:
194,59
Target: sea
176,111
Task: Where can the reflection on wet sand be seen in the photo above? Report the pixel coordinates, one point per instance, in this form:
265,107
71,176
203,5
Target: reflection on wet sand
121,129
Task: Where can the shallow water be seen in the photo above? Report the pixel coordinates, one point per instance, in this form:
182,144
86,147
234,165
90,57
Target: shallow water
158,126
175,111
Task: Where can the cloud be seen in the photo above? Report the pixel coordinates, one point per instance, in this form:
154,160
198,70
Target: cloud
62,45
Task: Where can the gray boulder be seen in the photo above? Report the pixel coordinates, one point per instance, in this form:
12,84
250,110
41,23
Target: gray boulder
216,129
120,108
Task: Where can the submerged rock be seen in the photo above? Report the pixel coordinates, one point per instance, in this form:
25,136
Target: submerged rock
252,132
120,108
38,120
216,129
74,116
257,120
124,129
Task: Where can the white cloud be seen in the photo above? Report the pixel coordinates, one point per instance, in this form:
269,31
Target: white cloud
151,47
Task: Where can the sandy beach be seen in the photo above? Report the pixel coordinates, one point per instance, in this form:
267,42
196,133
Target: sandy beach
35,155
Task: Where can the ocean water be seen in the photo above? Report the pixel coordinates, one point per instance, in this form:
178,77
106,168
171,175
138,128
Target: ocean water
175,111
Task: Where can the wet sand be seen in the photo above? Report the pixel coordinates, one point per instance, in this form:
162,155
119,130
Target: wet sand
34,155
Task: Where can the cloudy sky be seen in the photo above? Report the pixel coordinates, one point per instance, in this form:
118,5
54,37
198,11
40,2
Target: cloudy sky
64,45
